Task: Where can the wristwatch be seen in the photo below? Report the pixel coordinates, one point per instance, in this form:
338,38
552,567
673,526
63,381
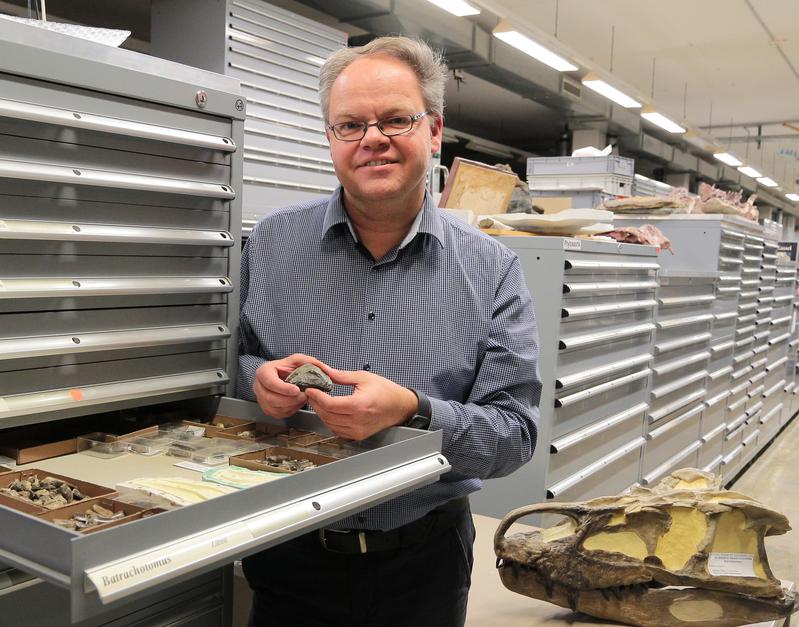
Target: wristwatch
421,419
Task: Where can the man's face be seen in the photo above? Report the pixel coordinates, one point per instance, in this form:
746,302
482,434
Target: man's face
380,168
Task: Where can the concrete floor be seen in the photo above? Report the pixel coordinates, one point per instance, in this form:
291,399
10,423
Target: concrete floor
773,479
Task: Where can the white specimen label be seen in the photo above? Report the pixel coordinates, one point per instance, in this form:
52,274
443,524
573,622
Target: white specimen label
193,466
572,244
3,404
133,572
3,226
731,564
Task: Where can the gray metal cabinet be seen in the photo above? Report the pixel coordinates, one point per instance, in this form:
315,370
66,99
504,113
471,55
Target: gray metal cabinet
594,304
746,383
276,55
120,204
681,370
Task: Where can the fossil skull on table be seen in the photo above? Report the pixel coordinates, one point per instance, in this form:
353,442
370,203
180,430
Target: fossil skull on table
684,552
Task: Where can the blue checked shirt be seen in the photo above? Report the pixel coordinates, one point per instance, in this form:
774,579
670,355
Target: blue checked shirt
446,312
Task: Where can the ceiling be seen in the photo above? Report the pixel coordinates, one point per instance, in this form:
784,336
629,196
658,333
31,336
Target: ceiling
728,66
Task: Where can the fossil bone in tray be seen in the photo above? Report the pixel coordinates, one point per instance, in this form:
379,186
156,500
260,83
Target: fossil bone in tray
684,552
48,492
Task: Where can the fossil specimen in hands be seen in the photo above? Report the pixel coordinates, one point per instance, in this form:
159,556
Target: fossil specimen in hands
310,376
684,552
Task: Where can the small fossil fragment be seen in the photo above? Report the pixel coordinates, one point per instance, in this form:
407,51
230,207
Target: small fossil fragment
287,463
310,376
102,511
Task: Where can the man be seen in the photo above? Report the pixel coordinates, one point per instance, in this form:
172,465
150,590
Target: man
414,316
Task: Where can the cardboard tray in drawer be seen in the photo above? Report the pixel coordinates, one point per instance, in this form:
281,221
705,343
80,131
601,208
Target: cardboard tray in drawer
88,490
257,459
223,424
129,512
27,451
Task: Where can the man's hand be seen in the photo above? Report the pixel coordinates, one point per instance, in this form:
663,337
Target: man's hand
375,404
276,397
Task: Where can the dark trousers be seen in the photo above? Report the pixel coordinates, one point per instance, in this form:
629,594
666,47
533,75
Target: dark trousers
425,584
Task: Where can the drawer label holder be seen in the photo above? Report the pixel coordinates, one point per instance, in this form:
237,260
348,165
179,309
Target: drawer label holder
121,578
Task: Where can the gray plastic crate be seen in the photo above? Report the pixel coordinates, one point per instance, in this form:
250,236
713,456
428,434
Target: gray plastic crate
609,164
581,198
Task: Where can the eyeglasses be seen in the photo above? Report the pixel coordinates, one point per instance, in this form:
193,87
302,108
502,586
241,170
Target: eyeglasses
354,131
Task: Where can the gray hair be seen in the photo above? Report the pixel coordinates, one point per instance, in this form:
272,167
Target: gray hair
428,65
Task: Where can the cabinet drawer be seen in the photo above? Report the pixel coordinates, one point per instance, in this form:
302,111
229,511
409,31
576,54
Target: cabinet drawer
179,544
670,439
569,453
609,475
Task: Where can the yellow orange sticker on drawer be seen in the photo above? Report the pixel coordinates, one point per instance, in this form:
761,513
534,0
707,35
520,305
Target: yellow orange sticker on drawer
76,395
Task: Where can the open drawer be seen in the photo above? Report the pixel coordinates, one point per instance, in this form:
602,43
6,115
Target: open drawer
105,569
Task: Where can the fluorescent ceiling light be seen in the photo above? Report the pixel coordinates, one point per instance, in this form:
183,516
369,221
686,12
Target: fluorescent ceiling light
512,37
610,92
794,197
767,182
727,158
658,119
456,7
749,171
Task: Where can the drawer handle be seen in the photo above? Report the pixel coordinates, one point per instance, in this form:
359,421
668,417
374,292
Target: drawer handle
676,422
764,419
590,339
70,231
724,346
565,401
751,438
776,364
27,347
625,286
686,300
567,441
62,287
670,408
304,187
728,459
714,433
569,482
712,466
53,400
580,264
116,126
714,400
99,178
779,339
680,363
589,310
718,374
681,322
661,470
603,371
665,347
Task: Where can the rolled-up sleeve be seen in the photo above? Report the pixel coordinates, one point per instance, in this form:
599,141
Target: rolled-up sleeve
494,432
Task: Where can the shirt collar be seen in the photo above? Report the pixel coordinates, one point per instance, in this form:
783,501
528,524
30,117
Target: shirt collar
426,221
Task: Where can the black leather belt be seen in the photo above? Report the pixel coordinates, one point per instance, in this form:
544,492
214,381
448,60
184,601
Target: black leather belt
358,541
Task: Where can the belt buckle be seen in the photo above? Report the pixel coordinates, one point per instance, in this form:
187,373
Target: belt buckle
361,539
